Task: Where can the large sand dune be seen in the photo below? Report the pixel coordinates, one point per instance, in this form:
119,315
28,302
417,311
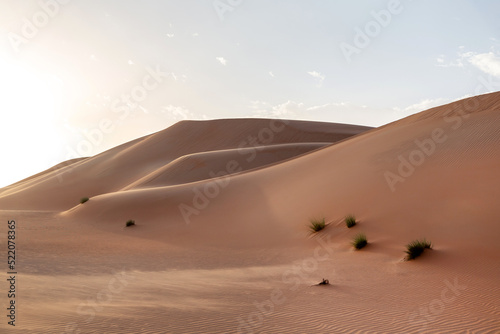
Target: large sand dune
222,245
174,153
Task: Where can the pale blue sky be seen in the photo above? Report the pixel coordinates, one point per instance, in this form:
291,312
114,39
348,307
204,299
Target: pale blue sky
65,68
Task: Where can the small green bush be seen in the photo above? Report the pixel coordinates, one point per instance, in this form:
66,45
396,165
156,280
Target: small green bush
359,241
130,223
317,225
415,248
350,221
83,200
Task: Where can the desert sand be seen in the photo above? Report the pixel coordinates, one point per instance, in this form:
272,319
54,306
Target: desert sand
221,242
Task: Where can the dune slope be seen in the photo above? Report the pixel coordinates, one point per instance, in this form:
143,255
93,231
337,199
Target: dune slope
433,176
127,164
382,173
231,252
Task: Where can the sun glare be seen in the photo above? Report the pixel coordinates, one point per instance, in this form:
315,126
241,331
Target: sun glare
28,136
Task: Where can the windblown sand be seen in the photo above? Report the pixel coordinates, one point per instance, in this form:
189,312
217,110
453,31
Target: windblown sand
221,242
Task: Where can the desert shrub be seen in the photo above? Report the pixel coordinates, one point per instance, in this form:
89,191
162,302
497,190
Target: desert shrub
350,221
83,200
130,223
415,248
359,241
317,225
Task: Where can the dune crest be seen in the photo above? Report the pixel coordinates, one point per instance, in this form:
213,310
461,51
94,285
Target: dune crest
125,165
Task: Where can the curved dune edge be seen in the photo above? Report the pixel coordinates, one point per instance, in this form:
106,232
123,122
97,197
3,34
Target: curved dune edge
124,165
201,166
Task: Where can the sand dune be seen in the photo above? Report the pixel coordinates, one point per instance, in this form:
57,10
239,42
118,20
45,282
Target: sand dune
201,166
232,254
126,164
348,177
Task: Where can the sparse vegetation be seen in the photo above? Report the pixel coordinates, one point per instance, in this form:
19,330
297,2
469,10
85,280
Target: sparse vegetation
359,241
350,221
83,200
130,223
324,282
317,225
415,248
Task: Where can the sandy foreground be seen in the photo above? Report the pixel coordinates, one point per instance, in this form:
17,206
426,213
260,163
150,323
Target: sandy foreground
221,241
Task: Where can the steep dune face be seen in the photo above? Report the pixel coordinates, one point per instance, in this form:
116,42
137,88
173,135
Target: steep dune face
421,176
166,158
200,166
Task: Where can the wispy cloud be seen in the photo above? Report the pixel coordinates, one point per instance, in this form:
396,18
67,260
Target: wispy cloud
271,74
327,105
488,62
221,60
320,77
338,112
422,105
181,113
442,61
287,109
344,111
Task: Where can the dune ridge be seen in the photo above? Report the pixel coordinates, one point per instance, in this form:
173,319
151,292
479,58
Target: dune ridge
124,165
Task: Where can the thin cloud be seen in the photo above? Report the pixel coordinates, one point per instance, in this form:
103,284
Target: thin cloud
288,109
422,105
488,62
324,106
320,77
337,112
181,113
442,62
222,60
316,75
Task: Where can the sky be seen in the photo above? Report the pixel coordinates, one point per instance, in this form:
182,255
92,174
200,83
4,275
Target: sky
79,77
